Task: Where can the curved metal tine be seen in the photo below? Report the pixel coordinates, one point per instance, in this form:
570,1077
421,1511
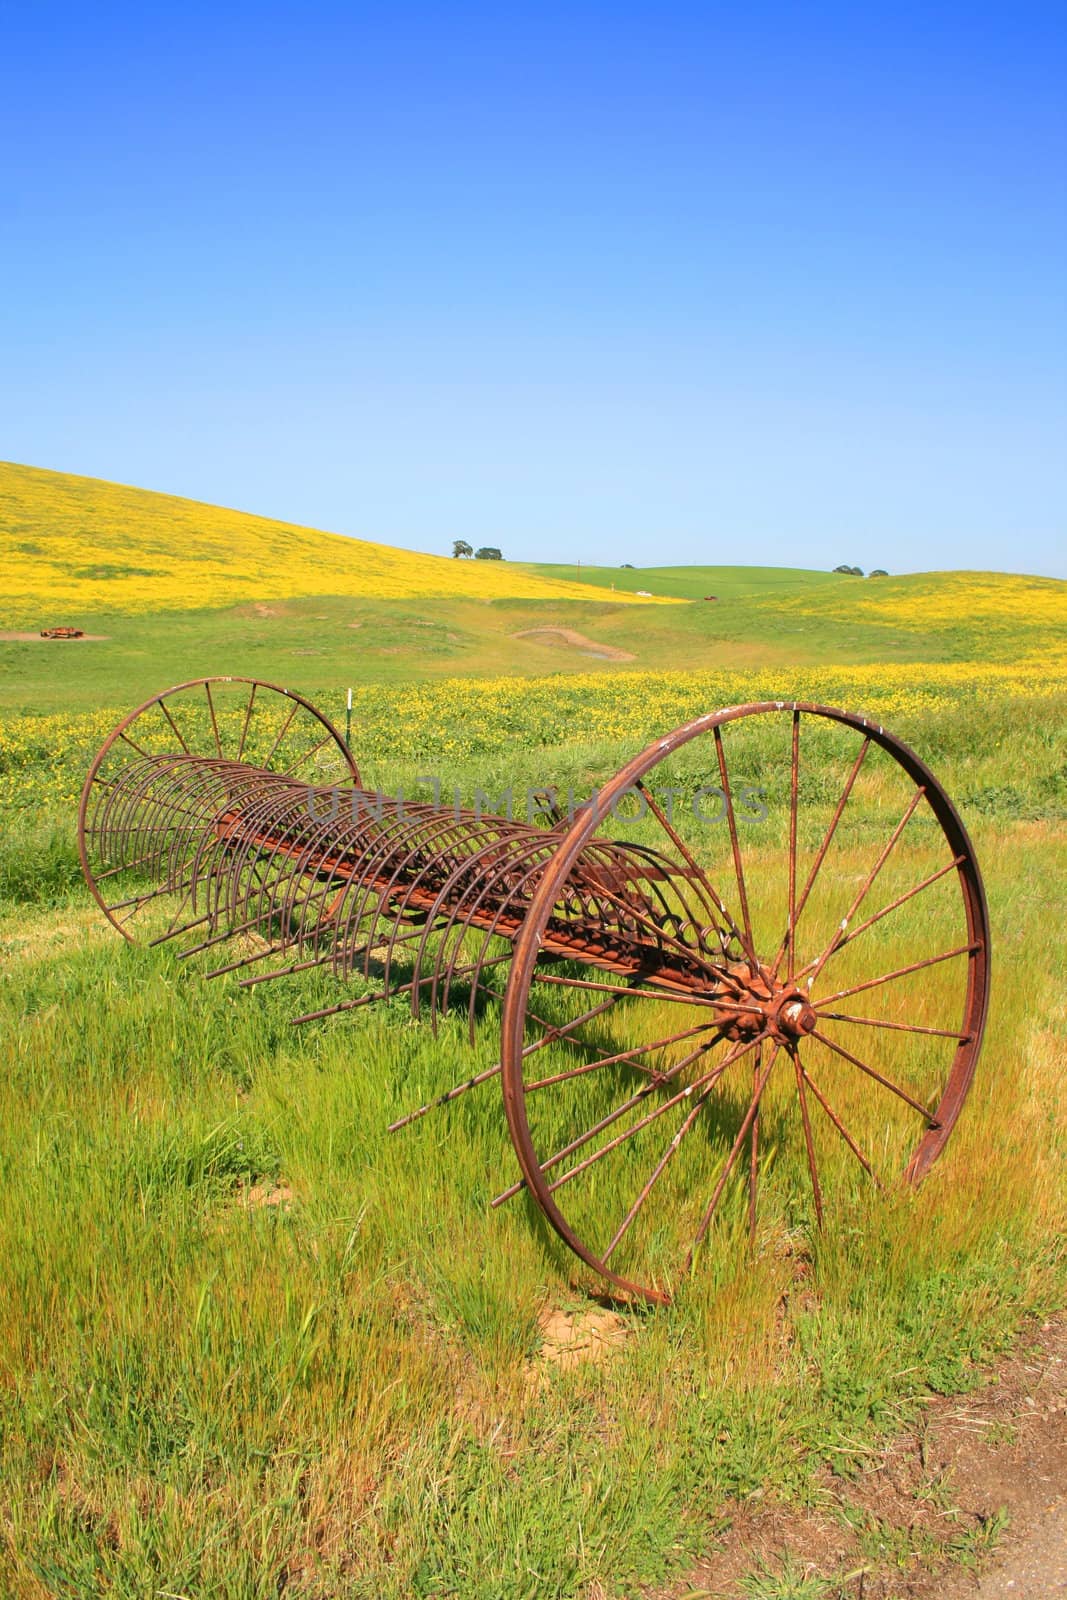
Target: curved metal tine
235,849
735,1150
809,1142
692,954
131,829
230,931
491,1072
223,847
735,847
670,996
299,966
214,720
368,999
712,959
400,852
284,857
486,858
441,903
715,902
635,1099
349,879
418,861
326,838
887,1083
894,905
515,853
811,971
321,836
383,835
532,872
820,854
643,866
900,972
838,1124
120,811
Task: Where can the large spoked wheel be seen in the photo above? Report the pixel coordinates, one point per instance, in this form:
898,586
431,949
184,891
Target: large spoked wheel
809,1012
171,764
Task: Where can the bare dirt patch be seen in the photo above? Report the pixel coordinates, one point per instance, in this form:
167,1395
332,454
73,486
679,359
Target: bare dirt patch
35,638
570,1337
577,641
970,1504
258,1195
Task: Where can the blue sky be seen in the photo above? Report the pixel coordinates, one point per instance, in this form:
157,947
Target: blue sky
767,283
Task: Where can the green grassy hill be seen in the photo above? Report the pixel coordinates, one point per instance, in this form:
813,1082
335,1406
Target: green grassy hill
693,583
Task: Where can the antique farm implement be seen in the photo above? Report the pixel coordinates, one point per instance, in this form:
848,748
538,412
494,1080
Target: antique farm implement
690,985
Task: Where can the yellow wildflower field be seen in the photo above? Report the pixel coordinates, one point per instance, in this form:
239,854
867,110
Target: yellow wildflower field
75,545
990,600
459,719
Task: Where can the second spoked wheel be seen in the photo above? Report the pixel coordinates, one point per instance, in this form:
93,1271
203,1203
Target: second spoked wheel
825,893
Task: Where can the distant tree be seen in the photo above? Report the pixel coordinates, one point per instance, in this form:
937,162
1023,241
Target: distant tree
627,566
488,552
462,548
878,572
844,568
857,572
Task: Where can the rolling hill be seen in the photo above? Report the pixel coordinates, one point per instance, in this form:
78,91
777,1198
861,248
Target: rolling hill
72,546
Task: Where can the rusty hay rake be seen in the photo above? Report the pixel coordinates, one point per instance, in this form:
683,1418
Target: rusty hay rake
703,996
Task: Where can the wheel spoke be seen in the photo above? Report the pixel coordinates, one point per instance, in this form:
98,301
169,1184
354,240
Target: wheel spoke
820,854
620,1057
813,968
490,1072
805,1117
735,1150
894,905
248,718
677,997
900,972
659,1168
898,1027
753,1156
214,719
177,731
285,729
807,1078
650,1116
620,1111
315,748
794,794
735,847
716,900
872,1072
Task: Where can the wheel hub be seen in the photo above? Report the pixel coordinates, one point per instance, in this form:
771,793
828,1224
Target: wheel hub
757,1002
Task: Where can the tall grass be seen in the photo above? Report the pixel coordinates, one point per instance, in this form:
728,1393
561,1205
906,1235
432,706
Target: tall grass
339,1394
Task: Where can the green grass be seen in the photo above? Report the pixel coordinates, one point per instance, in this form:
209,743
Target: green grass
340,1394
694,582
332,1396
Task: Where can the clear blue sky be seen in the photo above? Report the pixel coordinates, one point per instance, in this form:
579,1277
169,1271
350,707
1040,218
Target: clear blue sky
775,283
